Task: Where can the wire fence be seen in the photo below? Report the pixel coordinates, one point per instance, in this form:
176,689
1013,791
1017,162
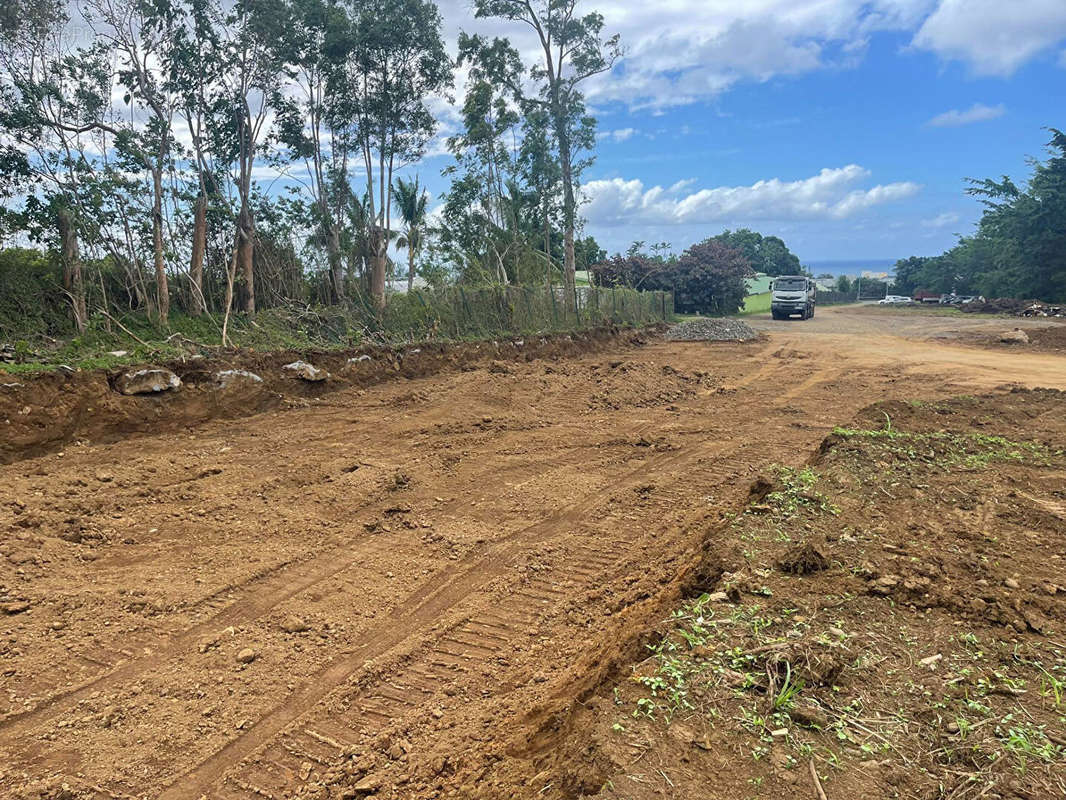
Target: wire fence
462,313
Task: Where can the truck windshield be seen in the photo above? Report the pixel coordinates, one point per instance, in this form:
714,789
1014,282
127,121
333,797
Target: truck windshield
790,285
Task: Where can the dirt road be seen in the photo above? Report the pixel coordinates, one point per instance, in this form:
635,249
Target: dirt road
373,590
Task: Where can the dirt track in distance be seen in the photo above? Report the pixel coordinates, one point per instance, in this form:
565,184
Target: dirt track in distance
413,567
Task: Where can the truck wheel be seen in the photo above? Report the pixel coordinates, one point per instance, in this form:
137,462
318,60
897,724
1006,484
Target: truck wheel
775,315
811,315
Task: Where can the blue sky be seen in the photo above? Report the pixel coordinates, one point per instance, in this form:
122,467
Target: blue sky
845,127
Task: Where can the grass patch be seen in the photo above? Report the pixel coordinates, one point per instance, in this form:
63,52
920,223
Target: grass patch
756,304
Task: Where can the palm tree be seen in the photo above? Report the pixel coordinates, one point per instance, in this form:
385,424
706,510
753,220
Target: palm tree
411,200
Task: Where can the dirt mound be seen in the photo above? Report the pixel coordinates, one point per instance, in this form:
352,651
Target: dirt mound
711,330
41,413
882,624
1018,308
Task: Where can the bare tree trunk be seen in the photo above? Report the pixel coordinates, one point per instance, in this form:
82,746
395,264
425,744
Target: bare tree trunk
378,264
410,265
569,204
547,243
231,275
162,290
336,264
199,245
68,237
245,252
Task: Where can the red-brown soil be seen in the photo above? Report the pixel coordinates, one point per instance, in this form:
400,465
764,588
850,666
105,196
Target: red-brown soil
436,576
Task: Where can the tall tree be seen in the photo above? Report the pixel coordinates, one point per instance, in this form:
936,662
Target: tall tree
411,201
573,50
394,60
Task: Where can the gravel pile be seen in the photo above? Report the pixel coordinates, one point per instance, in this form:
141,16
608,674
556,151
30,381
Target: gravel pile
711,330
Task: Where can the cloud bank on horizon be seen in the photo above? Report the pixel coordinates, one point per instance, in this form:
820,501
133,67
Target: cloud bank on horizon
689,62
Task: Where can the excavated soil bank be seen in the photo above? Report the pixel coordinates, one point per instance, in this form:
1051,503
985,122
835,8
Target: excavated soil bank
427,588
41,413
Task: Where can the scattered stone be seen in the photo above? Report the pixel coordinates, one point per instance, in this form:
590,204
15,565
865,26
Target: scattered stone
236,377
359,359
1016,336
147,381
779,733
711,330
207,643
104,476
16,607
837,632
718,597
293,624
931,661
117,353
307,372
246,656
952,727
367,786
1011,583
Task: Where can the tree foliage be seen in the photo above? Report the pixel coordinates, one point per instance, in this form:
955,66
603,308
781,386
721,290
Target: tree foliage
1019,248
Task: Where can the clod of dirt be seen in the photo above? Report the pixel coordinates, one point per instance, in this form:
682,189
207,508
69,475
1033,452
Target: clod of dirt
147,381
293,624
803,560
1016,336
246,656
104,476
809,716
307,372
16,607
711,330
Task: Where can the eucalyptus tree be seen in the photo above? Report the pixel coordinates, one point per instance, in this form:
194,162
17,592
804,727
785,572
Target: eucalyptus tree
315,125
394,61
573,50
196,72
253,51
485,153
411,202
52,100
143,37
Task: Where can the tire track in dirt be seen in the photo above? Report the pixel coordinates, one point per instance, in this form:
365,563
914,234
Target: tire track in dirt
323,735
420,611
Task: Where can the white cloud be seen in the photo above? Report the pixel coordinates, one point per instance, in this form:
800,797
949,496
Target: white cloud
978,112
620,135
831,194
685,51
992,36
941,220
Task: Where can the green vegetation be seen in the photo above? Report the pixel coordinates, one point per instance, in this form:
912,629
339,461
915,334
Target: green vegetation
1019,249
756,304
447,314
949,450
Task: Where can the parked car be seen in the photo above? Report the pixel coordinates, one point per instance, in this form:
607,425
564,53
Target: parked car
895,300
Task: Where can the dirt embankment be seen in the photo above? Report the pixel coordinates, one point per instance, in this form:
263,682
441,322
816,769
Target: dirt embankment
41,413
888,619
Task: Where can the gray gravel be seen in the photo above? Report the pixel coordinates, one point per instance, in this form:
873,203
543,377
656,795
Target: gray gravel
711,330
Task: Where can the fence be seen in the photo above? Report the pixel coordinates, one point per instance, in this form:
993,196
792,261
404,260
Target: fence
459,312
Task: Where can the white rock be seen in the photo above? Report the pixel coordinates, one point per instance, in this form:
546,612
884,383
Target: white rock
235,377
308,372
147,381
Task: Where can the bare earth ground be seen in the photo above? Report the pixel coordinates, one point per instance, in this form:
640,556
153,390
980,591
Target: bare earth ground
413,590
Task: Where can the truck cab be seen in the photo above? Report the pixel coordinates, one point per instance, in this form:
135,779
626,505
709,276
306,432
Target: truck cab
793,294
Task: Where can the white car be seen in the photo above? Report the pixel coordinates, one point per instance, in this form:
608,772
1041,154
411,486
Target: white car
894,300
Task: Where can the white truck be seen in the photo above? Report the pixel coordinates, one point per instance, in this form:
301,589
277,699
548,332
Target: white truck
793,294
